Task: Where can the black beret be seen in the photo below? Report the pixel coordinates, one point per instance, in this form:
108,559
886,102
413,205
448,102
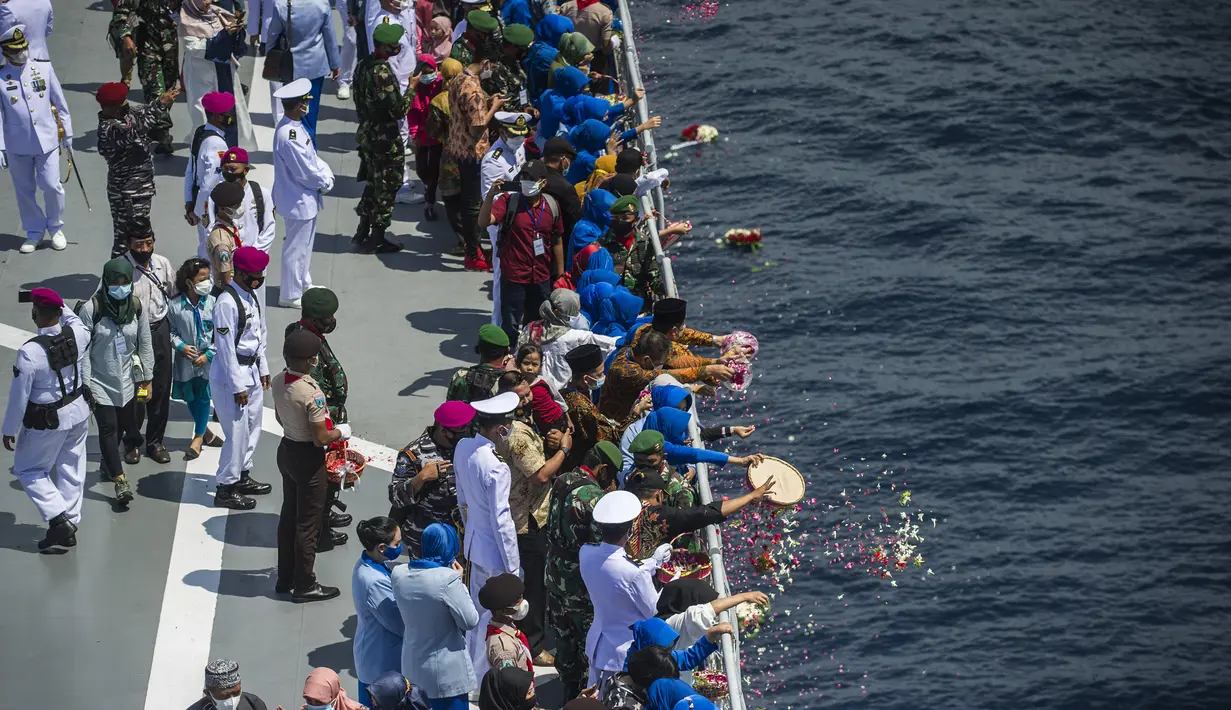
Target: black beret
301,345
501,592
227,194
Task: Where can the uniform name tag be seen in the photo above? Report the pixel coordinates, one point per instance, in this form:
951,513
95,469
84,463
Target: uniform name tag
121,345
523,97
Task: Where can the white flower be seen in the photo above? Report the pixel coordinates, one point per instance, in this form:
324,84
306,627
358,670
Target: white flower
707,134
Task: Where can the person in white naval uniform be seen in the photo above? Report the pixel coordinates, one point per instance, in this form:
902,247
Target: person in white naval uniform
300,179
37,17
483,481
349,11
48,406
204,170
238,375
503,161
621,588
256,220
403,65
32,113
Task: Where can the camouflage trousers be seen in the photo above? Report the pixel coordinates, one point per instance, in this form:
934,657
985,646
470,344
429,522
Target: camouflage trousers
127,213
382,166
158,68
569,618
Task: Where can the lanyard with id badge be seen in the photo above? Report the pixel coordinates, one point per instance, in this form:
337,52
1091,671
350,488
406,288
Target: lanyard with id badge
540,244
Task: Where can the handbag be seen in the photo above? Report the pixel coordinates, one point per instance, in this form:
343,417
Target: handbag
279,64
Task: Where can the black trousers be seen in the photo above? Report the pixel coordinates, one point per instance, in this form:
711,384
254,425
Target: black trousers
471,175
519,303
427,167
158,406
305,488
532,548
114,423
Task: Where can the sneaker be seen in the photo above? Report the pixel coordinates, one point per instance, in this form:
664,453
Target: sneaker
28,246
343,92
477,263
123,491
58,240
291,303
407,196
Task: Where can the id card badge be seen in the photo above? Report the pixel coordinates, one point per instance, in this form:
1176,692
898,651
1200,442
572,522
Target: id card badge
523,97
540,247
121,346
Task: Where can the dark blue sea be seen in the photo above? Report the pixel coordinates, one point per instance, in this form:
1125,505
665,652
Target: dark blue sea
996,273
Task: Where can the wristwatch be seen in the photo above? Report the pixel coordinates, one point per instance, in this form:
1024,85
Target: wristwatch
564,450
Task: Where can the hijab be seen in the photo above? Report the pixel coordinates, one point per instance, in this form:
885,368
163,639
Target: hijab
596,218
664,693
121,311
552,28
592,298
505,689
594,276
589,136
574,47
671,423
678,596
652,632
441,49
323,686
618,313
600,260
604,168
199,18
557,313
438,546
392,691
695,702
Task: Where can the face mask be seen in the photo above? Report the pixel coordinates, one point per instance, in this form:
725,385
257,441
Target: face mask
203,287
598,383
485,74
255,282
522,610
141,257
515,141
238,213
427,79
392,553
120,293
621,228
19,58
226,703
329,326
232,177
310,706
313,363
504,432
530,188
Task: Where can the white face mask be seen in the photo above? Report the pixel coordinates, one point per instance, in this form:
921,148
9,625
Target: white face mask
19,58
203,287
485,74
530,188
522,610
226,703
504,432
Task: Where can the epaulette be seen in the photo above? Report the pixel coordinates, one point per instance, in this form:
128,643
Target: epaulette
497,152
631,559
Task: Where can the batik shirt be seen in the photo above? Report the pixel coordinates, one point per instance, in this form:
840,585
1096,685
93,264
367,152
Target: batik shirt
589,425
626,380
681,357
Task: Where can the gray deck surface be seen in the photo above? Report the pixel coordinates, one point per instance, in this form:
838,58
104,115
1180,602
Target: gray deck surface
81,629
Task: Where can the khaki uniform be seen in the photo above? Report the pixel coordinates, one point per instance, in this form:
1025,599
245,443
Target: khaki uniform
219,245
299,402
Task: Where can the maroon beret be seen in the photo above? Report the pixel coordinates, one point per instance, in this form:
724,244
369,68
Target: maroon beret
46,298
250,260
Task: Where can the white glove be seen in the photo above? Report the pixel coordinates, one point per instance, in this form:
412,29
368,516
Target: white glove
4,160
662,553
615,44
344,429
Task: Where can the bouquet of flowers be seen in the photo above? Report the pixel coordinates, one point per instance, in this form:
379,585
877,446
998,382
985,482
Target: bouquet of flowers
750,617
749,239
700,133
711,684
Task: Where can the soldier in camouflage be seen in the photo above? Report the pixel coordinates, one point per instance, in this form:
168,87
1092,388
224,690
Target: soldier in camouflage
382,106
423,490
145,29
509,78
482,28
569,526
124,142
478,382
650,460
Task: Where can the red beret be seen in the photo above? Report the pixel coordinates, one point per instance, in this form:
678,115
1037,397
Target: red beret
235,155
250,259
112,93
46,298
218,102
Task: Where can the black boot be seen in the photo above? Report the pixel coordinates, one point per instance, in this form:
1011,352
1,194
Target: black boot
377,244
250,486
227,497
362,232
59,533
339,520
336,537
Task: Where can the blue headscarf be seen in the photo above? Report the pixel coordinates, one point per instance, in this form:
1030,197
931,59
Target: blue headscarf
392,691
592,298
668,396
516,12
590,139
652,632
581,108
600,260
596,219
569,82
695,702
664,693
590,278
439,545
617,313
552,28
543,52
672,423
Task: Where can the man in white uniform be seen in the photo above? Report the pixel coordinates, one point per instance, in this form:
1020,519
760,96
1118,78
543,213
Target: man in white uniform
36,16
204,170
403,65
32,113
47,404
238,375
300,179
349,11
256,220
503,162
621,588
483,482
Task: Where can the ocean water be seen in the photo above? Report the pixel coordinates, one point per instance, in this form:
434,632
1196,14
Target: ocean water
996,273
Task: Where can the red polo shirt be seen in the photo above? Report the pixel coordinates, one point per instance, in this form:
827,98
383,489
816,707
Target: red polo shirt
525,249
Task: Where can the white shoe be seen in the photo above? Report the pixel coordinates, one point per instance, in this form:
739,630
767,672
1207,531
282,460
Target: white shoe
288,303
343,91
58,240
28,246
408,196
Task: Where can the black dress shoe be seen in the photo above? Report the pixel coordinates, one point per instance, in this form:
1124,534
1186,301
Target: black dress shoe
339,520
59,532
337,538
316,593
227,497
158,453
250,486
132,456
280,588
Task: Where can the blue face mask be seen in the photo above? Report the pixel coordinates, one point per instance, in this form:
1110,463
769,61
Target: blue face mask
310,706
392,553
120,293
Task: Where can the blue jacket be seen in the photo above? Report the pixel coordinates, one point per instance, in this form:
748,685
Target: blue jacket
543,52
570,81
596,218
590,139
313,44
378,638
673,423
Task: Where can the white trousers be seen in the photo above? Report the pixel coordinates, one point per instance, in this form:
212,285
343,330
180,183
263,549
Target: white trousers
297,257
476,638
202,238
59,454
275,103
242,428
491,237
38,172
346,72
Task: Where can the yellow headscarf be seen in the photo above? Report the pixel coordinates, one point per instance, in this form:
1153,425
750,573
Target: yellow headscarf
604,168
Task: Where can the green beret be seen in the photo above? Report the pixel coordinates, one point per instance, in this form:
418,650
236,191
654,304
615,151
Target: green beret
518,35
625,205
319,302
481,20
648,441
493,335
389,33
610,454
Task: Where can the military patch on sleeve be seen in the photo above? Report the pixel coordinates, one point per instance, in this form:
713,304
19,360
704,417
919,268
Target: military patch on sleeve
292,134
224,256
224,331
319,401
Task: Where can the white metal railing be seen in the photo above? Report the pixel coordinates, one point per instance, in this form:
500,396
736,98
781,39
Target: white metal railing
654,201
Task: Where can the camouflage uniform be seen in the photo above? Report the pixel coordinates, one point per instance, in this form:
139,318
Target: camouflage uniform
507,79
436,501
569,610
150,24
382,107
642,274
329,375
471,384
125,144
